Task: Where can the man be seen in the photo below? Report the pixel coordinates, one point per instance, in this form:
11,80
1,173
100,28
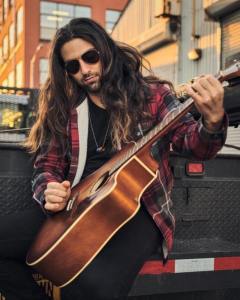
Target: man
94,102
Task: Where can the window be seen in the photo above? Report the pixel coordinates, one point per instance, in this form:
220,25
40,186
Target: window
19,74
19,21
11,79
5,47
82,11
43,70
11,36
55,15
110,19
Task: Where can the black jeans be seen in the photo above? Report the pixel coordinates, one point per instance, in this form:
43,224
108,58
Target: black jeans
109,276
16,234
112,272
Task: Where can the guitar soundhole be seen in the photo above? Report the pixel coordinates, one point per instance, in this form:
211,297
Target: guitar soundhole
101,181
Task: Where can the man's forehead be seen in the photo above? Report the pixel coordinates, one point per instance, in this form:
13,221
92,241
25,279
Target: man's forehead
75,48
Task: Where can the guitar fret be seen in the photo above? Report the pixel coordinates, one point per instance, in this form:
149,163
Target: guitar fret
154,131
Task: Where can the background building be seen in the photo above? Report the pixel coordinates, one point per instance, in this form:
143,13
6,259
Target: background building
27,26
180,38
183,39
153,32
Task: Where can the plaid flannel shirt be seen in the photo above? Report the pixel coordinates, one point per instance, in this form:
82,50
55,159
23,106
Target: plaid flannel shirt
187,137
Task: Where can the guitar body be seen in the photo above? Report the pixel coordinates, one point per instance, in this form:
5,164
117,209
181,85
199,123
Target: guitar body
101,204
70,240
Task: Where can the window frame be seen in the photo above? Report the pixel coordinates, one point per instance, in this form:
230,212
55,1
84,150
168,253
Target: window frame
109,22
58,24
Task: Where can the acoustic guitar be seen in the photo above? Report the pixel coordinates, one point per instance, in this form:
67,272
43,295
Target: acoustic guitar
102,203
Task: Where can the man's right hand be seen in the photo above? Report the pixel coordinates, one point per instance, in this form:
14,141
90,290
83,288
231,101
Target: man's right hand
57,195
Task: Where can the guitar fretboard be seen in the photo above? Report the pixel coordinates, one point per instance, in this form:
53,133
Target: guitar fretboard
171,118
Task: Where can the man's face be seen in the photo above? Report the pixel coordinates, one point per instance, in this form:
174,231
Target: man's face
88,75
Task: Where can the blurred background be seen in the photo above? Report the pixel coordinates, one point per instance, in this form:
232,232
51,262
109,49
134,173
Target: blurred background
180,38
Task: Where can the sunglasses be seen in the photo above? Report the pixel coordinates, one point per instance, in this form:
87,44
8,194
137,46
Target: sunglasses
92,56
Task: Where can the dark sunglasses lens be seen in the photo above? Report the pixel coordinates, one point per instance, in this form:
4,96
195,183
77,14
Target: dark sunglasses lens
72,66
91,57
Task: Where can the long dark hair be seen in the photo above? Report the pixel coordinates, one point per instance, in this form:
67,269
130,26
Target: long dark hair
124,90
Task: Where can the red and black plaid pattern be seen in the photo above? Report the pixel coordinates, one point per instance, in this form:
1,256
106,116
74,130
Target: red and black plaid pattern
188,137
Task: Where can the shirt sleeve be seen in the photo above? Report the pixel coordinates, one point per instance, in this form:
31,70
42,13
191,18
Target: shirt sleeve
50,165
190,137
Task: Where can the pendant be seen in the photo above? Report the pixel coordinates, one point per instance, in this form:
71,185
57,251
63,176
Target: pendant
100,149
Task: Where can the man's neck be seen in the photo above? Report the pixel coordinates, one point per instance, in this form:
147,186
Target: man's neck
97,100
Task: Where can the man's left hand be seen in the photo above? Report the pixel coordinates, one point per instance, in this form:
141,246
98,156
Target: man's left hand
207,93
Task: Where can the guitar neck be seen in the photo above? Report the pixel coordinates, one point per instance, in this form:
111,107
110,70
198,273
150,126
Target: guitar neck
172,118
158,131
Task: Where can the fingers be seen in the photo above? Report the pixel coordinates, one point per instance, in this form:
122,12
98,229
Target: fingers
209,88
206,89
54,207
56,185
57,192
56,195
207,93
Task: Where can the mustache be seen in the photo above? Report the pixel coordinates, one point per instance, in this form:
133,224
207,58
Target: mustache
90,74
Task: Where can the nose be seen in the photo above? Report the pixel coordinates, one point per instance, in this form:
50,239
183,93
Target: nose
84,67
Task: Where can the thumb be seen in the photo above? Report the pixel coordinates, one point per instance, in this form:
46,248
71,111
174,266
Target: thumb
66,184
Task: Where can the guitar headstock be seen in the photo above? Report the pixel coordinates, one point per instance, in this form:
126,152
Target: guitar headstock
229,76
232,72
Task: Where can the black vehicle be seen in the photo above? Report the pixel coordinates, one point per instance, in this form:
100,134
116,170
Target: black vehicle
205,261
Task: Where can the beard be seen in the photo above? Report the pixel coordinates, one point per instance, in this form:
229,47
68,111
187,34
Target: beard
93,87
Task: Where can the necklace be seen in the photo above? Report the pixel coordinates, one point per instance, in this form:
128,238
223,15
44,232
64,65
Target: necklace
98,147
